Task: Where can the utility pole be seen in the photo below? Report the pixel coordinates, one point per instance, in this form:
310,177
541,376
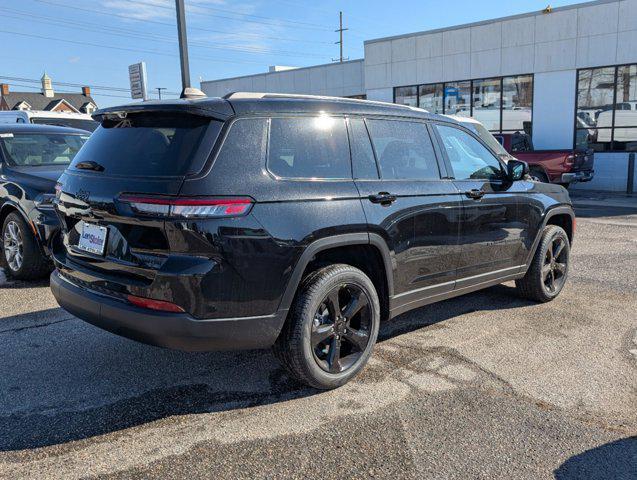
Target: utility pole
159,89
187,90
340,33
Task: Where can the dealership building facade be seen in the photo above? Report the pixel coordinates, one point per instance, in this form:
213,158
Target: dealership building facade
567,76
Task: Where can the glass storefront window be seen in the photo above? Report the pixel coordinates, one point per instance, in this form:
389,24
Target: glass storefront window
406,96
607,108
501,104
431,97
626,99
595,92
517,103
458,98
487,99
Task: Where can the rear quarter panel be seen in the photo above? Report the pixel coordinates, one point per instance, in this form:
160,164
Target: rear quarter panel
262,250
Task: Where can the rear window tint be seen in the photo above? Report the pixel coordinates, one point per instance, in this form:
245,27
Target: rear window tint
309,147
148,145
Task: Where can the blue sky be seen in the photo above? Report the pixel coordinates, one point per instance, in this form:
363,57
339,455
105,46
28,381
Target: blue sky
93,41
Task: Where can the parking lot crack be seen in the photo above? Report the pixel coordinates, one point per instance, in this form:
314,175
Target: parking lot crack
39,325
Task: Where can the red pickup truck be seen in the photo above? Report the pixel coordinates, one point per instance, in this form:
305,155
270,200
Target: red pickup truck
554,166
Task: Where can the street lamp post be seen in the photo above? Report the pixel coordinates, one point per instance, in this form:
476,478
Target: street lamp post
187,91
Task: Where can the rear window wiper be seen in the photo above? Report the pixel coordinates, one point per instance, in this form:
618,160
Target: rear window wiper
96,167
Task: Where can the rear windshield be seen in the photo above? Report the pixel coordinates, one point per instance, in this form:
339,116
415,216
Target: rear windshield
89,125
147,145
23,149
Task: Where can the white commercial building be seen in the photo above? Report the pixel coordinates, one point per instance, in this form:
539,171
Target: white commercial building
567,76
334,79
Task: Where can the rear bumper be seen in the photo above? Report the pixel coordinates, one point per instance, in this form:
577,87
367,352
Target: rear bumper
581,176
170,330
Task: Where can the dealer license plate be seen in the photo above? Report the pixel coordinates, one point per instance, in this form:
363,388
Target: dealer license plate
93,239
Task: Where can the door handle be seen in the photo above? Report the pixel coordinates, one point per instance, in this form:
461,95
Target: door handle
475,193
384,198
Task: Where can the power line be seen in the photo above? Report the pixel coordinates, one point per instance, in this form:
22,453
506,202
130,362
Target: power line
69,84
324,10
66,84
172,25
62,91
275,21
146,36
126,49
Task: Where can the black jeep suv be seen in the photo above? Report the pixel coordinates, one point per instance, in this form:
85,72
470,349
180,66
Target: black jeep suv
296,222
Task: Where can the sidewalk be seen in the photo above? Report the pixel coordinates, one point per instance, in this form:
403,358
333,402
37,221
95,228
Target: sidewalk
606,199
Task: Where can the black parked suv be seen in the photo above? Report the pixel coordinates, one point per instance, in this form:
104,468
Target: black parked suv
32,157
293,221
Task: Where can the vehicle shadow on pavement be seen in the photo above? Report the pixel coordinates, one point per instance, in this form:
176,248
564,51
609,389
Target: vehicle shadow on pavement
616,460
601,211
65,380
491,299
8,282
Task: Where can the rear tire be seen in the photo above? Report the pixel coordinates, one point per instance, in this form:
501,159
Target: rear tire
548,272
20,254
332,327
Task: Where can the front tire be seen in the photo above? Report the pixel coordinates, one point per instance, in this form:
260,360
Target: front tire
20,255
540,176
548,272
332,327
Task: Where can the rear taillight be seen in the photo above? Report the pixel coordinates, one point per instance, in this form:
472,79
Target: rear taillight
151,304
188,207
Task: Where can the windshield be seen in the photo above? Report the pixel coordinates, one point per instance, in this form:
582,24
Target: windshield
89,125
37,149
487,137
147,145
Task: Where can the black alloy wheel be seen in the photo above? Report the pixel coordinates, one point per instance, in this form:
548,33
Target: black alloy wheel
341,328
554,268
332,327
548,272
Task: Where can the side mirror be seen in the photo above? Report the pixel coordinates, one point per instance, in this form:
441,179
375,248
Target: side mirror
517,170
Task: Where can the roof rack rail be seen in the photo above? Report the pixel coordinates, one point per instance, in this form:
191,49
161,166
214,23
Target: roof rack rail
260,95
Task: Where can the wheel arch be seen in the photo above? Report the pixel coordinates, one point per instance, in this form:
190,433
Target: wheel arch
9,207
562,216
539,168
353,249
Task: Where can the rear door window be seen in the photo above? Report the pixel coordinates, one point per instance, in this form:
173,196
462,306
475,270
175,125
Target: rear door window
404,150
309,147
149,145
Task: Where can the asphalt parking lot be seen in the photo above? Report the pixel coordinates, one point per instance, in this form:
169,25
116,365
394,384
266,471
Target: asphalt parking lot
483,386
